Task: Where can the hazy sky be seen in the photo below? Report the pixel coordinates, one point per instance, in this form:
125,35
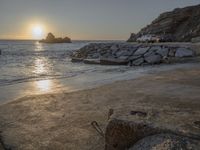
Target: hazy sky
82,19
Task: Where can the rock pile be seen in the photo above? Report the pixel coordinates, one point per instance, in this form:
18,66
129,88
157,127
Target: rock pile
129,54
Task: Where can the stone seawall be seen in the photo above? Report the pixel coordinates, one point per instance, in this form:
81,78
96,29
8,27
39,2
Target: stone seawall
131,54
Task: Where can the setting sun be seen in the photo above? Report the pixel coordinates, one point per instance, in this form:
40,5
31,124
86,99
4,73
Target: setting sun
37,31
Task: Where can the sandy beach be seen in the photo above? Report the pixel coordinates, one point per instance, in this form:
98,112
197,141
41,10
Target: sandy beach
63,120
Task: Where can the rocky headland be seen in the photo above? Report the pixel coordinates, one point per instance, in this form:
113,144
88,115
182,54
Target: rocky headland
52,39
132,54
182,23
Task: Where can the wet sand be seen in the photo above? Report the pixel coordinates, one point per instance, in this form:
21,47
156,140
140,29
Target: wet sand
62,120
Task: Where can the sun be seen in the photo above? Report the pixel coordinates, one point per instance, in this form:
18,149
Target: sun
37,31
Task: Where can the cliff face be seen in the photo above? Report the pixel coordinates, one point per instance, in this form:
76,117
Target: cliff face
182,23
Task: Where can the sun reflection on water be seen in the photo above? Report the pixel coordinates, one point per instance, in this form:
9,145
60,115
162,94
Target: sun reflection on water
44,85
39,67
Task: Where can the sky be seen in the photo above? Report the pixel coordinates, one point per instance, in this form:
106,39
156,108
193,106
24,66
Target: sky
81,19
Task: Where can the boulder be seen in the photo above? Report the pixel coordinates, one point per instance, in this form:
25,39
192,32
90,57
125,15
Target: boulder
155,48
141,50
195,40
114,47
153,59
149,53
184,52
138,62
75,59
172,52
163,52
165,142
113,61
94,56
121,135
132,58
91,61
123,53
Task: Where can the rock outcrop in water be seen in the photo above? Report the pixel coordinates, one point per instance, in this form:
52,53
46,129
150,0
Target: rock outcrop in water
182,23
130,54
51,39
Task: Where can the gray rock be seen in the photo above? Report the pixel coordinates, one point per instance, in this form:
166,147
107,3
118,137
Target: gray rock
172,52
131,58
95,55
163,52
121,134
91,61
155,48
113,61
74,59
153,59
149,53
141,50
123,57
184,52
195,40
123,53
138,62
114,47
165,142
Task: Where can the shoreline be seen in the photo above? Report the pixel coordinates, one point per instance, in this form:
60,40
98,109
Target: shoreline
84,81
62,120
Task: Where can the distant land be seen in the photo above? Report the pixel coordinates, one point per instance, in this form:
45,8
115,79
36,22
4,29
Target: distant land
52,39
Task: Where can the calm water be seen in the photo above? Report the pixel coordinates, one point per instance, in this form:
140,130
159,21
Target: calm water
30,68
23,63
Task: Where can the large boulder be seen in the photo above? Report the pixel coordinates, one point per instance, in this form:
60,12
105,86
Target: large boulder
196,39
153,59
165,142
163,52
141,50
121,135
138,62
113,61
184,52
91,61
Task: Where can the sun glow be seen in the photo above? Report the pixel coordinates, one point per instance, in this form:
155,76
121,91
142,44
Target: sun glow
37,31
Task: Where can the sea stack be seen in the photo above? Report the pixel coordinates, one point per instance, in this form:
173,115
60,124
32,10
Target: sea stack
52,39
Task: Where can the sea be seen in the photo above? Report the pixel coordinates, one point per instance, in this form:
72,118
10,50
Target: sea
31,68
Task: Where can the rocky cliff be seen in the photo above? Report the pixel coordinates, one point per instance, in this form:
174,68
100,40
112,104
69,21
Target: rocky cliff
182,23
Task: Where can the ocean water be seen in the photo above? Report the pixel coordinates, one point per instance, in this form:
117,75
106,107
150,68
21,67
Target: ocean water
31,68
23,63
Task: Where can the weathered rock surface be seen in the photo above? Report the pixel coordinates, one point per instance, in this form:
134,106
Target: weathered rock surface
132,54
153,59
181,23
165,142
91,61
113,61
141,51
196,39
138,62
184,52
